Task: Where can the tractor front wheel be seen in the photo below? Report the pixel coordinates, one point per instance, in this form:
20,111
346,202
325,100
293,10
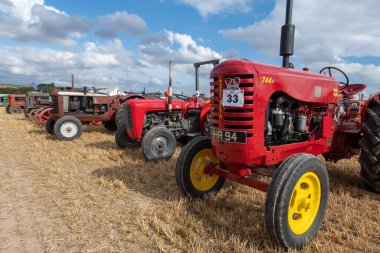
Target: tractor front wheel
7,109
123,140
49,126
296,200
190,173
14,109
370,147
121,116
158,143
68,128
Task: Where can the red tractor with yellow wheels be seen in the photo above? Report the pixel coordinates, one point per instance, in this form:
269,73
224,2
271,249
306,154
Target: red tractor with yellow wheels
268,121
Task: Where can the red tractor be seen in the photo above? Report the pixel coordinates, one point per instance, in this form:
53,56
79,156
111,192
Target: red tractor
71,109
156,124
16,102
268,121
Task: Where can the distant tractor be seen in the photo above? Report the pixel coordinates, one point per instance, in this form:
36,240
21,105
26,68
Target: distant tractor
71,109
156,124
268,121
16,102
34,101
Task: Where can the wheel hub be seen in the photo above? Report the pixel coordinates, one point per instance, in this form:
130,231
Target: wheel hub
69,129
201,180
304,203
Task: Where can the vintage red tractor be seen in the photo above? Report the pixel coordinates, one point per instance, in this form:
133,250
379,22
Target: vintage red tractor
268,121
156,124
34,101
16,102
71,109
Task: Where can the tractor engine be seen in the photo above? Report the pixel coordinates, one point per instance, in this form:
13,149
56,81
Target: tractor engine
179,124
84,104
289,120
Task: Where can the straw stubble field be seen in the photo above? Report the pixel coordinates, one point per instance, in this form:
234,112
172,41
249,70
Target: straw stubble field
90,196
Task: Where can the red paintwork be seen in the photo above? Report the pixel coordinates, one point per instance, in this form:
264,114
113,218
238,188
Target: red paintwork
297,84
139,108
13,97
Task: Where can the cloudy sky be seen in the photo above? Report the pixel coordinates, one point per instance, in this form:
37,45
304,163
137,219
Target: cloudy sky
128,44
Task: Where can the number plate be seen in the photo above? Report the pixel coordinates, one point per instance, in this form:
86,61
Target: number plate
229,136
234,98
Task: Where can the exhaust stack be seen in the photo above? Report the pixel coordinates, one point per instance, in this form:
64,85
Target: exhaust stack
287,36
170,90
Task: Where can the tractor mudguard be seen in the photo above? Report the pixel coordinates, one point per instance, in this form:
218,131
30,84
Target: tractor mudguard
375,96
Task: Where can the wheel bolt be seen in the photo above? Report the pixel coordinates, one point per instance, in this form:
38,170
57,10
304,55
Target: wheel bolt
295,216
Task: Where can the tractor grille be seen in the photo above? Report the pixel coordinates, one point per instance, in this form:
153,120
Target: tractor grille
54,104
128,113
233,118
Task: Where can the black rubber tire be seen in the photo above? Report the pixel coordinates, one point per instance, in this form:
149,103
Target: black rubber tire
123,140
280,192
121,115
7,109
57,128
370,147
110,125
14,109
182,172
26,113
49,126
150,148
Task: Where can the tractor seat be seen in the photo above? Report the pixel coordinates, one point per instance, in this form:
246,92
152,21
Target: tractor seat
352,89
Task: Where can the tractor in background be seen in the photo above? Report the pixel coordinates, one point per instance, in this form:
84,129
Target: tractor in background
157,124
70,109
16,102
34,101
272,122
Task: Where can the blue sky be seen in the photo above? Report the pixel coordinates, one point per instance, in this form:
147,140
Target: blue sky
128,44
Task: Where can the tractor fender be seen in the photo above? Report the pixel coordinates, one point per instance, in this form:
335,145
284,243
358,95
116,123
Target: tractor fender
205,110
363,115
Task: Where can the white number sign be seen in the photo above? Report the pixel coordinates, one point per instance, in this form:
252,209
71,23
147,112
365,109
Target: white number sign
233,98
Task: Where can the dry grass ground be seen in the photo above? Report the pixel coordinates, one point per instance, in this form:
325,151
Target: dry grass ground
90,196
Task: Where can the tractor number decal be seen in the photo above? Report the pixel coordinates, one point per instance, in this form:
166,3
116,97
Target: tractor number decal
267,79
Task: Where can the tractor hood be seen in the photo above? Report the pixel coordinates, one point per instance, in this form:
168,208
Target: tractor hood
155,104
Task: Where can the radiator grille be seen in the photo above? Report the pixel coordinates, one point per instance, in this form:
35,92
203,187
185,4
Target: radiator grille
232,117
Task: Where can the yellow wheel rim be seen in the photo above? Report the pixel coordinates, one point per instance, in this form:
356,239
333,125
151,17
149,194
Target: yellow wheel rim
304,203
200,180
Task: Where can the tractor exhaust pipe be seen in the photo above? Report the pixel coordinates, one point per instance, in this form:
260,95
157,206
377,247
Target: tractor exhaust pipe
287,36
170,90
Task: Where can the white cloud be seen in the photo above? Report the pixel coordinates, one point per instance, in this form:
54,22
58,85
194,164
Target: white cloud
179,48
120,21
326,34
219,6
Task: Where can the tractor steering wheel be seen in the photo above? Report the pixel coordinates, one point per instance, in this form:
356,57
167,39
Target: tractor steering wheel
327,71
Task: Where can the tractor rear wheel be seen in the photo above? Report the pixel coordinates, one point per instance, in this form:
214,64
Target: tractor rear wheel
191,179
14,109
49,126
121,115
110,125
370,147
296,200
123,140
68,128
159,143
